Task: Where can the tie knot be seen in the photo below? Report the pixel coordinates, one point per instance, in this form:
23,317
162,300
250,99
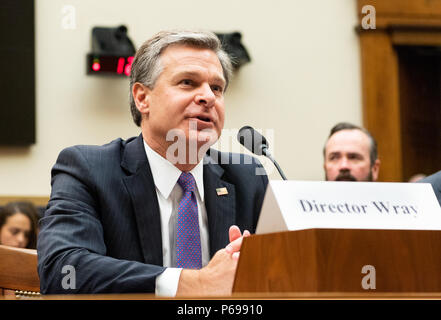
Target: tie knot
187,182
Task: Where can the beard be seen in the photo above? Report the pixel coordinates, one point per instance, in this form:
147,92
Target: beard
345,175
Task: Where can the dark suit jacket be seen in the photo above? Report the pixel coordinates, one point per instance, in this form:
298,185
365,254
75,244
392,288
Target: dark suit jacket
103,216
435,180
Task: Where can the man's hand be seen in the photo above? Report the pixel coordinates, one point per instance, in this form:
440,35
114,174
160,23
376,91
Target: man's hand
235,241
215,279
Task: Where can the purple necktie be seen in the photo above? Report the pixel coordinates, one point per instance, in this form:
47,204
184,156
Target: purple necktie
188,239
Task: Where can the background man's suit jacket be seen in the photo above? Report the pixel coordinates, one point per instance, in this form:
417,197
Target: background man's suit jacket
103,216
435,180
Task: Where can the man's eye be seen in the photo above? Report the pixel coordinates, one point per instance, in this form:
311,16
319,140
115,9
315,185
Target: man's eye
186,82
217,89
354,157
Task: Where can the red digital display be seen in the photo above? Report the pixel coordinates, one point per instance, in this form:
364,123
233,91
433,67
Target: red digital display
110,65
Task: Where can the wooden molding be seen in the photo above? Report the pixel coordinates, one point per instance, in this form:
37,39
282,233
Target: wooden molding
404,8
39,201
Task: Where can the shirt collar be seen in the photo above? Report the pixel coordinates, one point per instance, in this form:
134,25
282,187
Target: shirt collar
166,175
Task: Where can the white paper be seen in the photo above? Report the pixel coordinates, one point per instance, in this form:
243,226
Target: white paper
296,205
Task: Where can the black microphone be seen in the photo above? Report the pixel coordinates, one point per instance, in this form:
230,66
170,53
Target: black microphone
257,144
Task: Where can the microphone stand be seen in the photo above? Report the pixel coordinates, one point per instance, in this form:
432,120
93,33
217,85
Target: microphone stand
267,154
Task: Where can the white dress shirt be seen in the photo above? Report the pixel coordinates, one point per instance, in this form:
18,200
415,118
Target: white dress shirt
169,193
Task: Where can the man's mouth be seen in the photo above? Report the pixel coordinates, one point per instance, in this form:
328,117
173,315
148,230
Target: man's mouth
201,120
345,177
205,119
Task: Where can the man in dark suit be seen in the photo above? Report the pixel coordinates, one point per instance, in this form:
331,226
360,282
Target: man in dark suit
161,212
435,181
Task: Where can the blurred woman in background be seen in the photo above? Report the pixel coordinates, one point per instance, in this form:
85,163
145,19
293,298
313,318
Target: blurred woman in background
19,225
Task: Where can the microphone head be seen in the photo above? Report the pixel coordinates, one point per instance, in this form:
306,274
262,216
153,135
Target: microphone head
252,140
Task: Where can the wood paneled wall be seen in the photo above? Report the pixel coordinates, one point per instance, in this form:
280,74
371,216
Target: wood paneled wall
398,22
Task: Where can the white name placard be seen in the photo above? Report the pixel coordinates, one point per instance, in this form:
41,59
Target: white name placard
296,205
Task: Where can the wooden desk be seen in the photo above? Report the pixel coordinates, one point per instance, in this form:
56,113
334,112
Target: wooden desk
250,296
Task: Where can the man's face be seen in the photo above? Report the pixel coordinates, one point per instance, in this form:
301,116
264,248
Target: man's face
347,157
188,96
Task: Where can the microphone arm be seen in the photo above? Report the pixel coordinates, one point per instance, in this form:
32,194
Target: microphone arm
267,154
257,144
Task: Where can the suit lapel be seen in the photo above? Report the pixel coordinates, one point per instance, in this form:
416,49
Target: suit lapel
141,188
221,209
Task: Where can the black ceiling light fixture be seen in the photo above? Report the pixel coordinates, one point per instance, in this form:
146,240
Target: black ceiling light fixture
232,45
112,52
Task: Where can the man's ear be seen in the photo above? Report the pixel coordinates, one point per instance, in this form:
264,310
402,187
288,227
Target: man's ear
376,170
141,95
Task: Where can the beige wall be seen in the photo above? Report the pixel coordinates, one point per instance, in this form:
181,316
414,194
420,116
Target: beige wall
304,77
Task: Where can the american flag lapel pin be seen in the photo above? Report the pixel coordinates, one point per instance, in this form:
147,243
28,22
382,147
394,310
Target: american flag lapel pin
221,191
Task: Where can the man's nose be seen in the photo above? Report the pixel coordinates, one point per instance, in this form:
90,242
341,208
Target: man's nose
344,164
205,96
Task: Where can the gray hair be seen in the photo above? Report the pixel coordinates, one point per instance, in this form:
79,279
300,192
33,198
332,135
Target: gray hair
146,66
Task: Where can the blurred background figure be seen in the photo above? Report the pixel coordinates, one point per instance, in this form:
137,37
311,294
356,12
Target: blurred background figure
350,154
19,225
435,181
417,177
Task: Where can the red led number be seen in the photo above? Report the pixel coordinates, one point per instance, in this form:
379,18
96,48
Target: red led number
120,67
128,66
123,65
